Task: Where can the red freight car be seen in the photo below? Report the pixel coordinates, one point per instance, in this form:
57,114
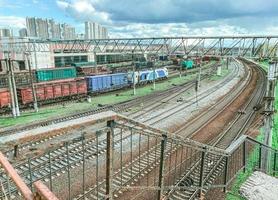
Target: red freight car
52,90
5,98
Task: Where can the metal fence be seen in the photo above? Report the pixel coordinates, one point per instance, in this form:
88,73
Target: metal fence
127,159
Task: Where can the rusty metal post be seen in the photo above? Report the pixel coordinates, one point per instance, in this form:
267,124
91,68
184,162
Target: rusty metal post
226,174
68,169
30,173
83,165
260,157
161,166
16,150
244,156
275,160
23,188
109,160
202,171
43,192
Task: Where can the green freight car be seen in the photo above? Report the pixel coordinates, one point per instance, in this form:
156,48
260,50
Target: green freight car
187,64
55,74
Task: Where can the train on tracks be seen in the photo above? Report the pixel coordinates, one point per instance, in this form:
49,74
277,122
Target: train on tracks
54,85
79,80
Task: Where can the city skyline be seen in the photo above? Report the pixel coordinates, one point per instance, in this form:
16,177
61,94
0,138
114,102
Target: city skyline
48,28
144,18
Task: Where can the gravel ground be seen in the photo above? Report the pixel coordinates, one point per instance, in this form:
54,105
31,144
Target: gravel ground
185,99
179,118
260,186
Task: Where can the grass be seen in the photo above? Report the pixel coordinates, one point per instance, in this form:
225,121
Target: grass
233,194
55,111
242,177
105,99
275,129
224,72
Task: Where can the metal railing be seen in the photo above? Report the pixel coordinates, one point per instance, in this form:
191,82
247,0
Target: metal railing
41,192
127,157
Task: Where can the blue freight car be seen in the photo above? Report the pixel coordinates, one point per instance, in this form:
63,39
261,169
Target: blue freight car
146,76
102,83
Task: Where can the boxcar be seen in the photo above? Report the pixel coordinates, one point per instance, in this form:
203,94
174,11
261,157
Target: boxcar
102,83
187,64
142,77
55,74
53,90
5,99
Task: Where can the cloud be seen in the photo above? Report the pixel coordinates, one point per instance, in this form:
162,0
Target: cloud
169,11
172,29
83,10
145,18
12,22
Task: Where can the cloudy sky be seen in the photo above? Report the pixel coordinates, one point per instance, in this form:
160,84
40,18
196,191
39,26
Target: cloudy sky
151,18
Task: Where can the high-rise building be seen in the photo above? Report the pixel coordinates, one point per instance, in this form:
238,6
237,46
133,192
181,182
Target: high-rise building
22,32
68,32
54,29
31,27
5,32
95,31
49,29
37,27
42,28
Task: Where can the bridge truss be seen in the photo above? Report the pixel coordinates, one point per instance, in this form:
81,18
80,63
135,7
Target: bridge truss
245,46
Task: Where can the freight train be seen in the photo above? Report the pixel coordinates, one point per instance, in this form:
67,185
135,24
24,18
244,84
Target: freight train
108,82
63,83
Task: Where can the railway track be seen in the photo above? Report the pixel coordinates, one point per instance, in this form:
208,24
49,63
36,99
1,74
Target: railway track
5,112
161,97
38,164
135,170
115,107
215,164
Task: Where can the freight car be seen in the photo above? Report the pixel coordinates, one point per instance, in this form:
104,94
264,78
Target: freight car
5,100
211,58
55,74
53,91
187,64
107,82
147,76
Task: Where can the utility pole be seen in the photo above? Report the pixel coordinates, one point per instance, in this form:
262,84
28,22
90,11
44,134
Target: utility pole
134,79
11,88
196,90
34,94
153,74
133,74
199,76
14,88
180,70
269,111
